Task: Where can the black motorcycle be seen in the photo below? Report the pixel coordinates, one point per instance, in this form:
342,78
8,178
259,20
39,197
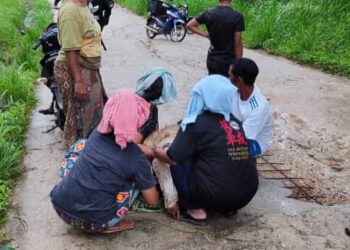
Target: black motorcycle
50,47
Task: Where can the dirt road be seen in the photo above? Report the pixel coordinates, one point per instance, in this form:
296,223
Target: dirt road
311,136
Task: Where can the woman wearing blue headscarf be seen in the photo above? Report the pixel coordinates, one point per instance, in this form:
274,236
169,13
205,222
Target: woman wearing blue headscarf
157,87
211,164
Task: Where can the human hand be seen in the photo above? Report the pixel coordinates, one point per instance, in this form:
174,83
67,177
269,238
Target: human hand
166,146
174,211
80,91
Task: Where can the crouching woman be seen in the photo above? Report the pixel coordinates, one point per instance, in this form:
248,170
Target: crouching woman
101,177
211,167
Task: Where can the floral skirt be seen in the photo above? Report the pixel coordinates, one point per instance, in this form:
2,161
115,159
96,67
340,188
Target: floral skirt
124,200
82,117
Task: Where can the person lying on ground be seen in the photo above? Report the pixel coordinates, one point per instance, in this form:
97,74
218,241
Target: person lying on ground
211,167
250,106
101,177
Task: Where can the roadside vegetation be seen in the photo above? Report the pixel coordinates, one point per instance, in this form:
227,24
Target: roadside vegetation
21,23
314,32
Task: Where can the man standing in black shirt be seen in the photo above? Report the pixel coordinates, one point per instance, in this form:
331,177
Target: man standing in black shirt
224,27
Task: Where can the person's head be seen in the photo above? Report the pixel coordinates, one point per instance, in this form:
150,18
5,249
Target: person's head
212,93
154,91
242,74
124,113
156,86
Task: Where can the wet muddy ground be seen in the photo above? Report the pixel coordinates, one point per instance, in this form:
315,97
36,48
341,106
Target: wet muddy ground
311,136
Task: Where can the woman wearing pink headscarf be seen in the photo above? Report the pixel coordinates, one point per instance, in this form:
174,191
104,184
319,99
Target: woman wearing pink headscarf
103,176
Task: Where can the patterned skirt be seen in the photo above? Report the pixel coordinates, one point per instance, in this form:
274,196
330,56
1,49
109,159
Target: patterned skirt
82,117
124,200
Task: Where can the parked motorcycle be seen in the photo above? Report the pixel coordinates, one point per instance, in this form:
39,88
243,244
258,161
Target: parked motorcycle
165,19
50,47
183,10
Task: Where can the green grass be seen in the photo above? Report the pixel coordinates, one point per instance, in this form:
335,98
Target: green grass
21,24
314,32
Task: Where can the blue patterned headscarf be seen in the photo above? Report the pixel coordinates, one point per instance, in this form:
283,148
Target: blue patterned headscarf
213,93
149,77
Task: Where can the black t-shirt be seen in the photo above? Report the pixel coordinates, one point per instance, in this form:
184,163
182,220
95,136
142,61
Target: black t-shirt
103,169
151,124
222,22
222,176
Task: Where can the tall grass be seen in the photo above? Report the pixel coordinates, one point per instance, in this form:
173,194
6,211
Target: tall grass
315,32
21,23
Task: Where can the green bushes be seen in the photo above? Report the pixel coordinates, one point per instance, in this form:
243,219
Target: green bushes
310,31
313,31
18,69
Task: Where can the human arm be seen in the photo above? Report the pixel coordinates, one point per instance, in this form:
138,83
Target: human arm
144,181
193,26
151,196
237,37
258,129
80,90
238,45
161,154
146,150
71,40
181,149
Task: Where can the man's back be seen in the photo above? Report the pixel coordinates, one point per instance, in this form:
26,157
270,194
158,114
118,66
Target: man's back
222,22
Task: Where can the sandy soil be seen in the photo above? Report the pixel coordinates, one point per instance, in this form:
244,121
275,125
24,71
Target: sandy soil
311,136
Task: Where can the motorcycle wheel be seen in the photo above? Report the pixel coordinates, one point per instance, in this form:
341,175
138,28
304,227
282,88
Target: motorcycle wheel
150,34
178,33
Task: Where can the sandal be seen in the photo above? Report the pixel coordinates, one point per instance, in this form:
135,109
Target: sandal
190,219
121,226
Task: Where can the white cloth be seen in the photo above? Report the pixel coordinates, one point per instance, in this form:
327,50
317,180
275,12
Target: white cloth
160,138
256,117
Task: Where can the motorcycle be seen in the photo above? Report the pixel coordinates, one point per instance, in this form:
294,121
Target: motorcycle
183,10
164,18
50,47
101,10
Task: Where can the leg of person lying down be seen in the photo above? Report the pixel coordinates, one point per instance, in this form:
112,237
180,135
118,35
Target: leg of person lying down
162,138
162,170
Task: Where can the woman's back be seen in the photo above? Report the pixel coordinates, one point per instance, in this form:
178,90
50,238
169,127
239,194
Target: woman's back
103,169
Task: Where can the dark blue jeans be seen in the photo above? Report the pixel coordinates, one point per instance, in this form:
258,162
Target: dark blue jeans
181,178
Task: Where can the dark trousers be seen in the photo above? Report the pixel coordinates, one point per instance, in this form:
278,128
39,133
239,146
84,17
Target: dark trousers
180,174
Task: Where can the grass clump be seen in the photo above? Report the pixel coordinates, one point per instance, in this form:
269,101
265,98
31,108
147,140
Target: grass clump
21,24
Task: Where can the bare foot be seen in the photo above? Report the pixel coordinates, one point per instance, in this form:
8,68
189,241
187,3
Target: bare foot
121,226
